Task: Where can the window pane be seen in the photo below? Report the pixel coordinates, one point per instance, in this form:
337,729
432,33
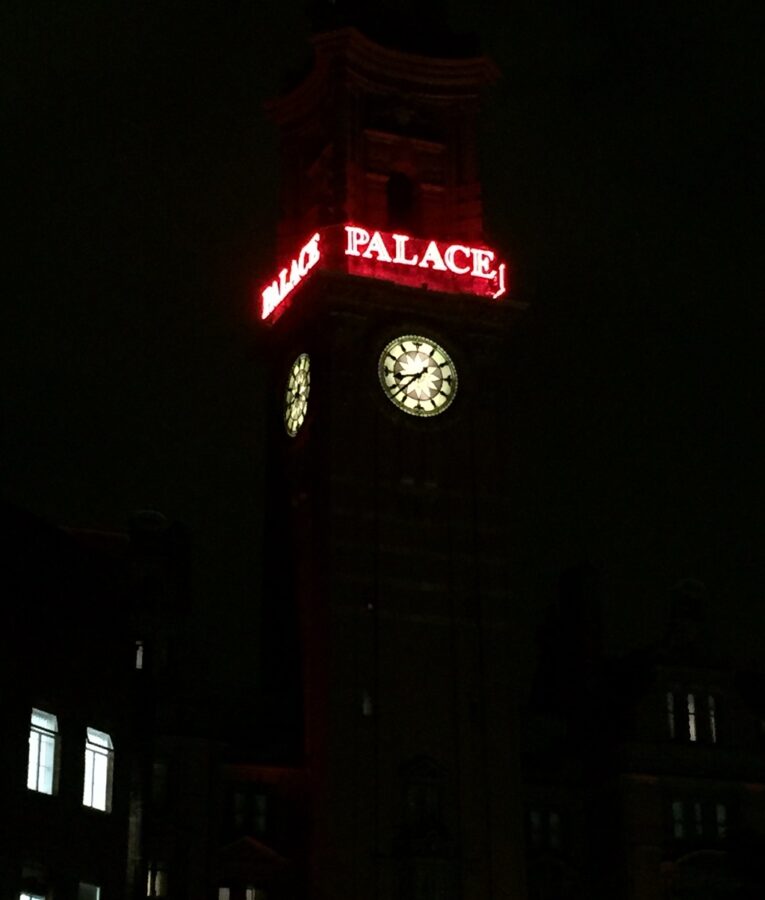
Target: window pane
44,720
260,813
33,765
712,719
691,717
698,820
41,761
99,782
156,880
46,762
87,791
99,738
88,892
96,791
678,819
721,813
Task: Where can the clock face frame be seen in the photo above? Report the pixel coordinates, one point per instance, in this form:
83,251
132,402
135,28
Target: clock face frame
296,395
417,375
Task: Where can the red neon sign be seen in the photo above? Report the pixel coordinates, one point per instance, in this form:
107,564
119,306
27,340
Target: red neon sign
415,262
290,277
400,250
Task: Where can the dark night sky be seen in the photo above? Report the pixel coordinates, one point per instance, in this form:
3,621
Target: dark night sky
622,179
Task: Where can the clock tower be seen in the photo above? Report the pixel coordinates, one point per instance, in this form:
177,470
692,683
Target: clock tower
385,322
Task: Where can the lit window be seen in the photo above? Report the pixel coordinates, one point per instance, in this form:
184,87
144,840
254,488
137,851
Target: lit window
678,819
43,746
224,893
139,654
156,880
691,717
99,765
698,710
671,713
253,893
712,719
31,897
88,892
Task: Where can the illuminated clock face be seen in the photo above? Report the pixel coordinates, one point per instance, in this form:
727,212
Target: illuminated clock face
418,375
296,395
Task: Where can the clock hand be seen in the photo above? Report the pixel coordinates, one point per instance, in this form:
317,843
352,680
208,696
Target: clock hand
401,378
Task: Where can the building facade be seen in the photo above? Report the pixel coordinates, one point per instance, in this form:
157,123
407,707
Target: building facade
643,774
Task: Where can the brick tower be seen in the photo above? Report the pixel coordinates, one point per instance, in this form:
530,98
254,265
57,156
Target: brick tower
386,324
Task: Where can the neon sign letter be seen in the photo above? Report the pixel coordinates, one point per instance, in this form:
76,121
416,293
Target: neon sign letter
396,250
408,261
401,257
356,236
290,276
377,247
482,259
432,256
450,261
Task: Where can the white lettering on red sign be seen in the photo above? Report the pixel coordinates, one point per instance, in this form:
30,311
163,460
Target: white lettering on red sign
396,257
290,276
475,262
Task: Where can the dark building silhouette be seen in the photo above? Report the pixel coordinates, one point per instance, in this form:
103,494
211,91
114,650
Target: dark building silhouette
644,774
93,627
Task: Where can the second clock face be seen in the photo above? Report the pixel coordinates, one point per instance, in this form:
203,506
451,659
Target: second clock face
418,375
296,395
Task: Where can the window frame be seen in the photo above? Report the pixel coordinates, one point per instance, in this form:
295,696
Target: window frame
545,828
38,733
156,879
699,819
691,715
88,891
98,767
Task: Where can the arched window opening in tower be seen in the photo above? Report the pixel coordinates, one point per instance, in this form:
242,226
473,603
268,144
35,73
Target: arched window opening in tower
400,193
